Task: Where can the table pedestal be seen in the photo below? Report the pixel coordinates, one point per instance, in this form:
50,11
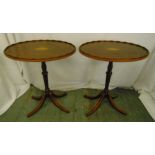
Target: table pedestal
104,94
47,94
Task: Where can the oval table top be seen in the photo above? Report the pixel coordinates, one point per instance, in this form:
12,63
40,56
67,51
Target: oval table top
114,51
39,50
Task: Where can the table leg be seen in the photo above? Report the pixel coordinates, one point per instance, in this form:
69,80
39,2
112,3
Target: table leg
92,97
96,106
97,96
114,105
48,94
58,104
36,97
39,106
105,94
59,95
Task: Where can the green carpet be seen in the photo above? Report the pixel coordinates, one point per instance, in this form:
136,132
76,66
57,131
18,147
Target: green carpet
127,99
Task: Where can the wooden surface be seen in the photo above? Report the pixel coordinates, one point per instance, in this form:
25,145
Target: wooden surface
39,50
114,51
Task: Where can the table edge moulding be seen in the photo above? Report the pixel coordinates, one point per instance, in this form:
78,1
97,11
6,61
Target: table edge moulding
41,59
114,59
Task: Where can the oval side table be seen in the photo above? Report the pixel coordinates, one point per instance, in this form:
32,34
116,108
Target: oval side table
41,51
111,51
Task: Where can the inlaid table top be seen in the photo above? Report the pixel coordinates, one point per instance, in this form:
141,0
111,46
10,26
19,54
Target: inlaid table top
114,51
39,50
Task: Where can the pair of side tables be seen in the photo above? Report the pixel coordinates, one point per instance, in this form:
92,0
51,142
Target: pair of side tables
50,50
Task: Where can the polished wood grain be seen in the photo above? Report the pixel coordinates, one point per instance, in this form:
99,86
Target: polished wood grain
114,51
39,50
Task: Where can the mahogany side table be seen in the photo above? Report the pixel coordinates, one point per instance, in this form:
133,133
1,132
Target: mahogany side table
111,51
41,51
